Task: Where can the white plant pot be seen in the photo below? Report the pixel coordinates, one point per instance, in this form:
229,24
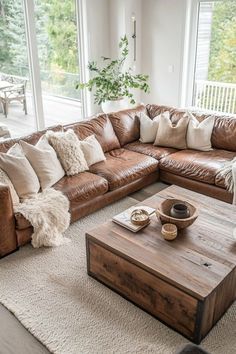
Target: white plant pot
114,105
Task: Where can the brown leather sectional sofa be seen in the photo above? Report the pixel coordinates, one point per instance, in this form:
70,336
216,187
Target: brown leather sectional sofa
130,165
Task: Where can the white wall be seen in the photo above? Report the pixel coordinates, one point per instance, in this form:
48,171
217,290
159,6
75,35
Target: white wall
160,41
162,49
121,12
98,27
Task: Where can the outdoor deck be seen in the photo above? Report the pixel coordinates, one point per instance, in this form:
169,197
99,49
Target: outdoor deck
56,110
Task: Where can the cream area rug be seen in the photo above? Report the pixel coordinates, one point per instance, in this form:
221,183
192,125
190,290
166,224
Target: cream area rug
50,292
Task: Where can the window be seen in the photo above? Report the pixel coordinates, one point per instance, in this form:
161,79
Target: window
39,47
215,63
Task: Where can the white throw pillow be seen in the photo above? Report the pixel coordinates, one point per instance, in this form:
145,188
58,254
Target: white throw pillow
199,133
67,146
20,172
44,161
148,127
92,150
4,179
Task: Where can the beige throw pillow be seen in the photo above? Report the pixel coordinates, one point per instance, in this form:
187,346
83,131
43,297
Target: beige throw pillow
148,127
44,161
4,179
172,135
20,172
67,147
199,133
92,150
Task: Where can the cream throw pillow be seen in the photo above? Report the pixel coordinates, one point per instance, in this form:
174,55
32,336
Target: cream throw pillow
67,146
20,172
44,161
92,150
172,135
4,179
199,133
148,127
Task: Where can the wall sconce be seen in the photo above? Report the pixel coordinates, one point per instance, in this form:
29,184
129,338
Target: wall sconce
133,18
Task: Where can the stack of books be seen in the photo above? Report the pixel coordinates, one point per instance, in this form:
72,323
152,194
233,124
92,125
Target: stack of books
123,218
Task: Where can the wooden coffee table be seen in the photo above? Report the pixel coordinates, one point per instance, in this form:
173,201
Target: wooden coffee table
187,283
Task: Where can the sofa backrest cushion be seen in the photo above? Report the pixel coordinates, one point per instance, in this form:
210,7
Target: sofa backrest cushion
101,127
224,133
31,139
126,124
224,130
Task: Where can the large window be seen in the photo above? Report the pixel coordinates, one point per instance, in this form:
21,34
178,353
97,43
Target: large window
47,33
215,68
14,71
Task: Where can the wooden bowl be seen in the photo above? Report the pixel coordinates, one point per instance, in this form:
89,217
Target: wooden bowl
169,231
163,212
139,217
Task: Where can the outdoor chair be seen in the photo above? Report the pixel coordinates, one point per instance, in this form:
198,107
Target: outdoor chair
16,92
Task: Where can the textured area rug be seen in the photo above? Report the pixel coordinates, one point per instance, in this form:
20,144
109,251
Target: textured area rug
50,292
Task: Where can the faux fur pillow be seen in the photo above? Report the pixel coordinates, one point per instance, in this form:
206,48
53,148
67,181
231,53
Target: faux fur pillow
4,179
92,150
20,172
67,146
44,161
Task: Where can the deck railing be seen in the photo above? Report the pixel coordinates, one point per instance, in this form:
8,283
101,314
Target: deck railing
215,96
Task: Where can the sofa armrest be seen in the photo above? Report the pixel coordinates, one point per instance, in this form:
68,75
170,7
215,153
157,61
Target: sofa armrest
8,240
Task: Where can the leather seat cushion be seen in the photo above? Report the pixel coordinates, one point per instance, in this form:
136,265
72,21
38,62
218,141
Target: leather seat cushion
79,188
82,187
157,152
123,166
196,165
101,127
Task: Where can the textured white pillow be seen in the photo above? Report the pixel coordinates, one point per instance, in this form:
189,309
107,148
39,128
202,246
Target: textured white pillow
148,127
92,150
20,172
4,179
67,146
199,133
44,161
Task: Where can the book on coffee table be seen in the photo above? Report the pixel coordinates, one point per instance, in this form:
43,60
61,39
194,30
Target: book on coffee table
123,218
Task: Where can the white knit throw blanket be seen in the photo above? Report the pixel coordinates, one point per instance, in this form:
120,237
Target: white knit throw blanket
228,172
48,213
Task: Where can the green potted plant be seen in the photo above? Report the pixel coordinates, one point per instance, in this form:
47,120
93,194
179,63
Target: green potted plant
112,84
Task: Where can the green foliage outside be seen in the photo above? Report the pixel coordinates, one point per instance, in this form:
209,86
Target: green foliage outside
111,82
56,40
222,64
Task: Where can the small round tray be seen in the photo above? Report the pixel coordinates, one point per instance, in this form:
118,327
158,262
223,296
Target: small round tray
139,217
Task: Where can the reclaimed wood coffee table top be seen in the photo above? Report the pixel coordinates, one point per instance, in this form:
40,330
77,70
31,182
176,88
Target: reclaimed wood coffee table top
200,257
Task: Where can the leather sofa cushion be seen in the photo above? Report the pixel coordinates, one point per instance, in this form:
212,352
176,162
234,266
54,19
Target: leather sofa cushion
30,139
21,222
224,133
82,186
123,166
157,152
126,124
101,127
154,110
197,165
78,188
